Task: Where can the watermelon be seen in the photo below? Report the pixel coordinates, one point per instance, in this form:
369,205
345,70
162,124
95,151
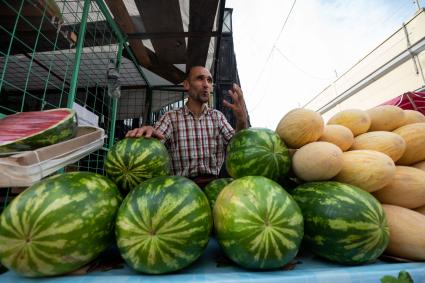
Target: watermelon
257,224
342,223
35,129
257,152
59,224
214,188
134,160
163,225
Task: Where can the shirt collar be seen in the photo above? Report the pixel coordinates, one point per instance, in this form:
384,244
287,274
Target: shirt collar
205,110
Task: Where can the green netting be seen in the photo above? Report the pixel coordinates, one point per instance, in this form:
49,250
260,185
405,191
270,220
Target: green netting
45,65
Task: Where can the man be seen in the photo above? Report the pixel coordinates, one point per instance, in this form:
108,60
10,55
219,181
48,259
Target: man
196,135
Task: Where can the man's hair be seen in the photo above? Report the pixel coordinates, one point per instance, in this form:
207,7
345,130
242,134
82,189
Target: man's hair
189,71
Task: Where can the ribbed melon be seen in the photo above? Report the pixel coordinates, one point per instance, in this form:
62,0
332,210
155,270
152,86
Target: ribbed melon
388,143
327,161
385,118
407,230
299,127
420,209
367,169
358,121
407,188
338,135
412,116
414,136
420,165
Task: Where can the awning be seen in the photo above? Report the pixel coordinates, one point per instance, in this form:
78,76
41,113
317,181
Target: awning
409,100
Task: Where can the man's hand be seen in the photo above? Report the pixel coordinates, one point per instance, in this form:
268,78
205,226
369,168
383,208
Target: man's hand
145,131
238,107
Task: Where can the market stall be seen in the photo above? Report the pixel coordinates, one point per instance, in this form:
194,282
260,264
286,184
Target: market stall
212,267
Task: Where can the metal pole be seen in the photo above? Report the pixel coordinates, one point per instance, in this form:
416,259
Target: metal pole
78,51
115,100
148,109
110,20
120,36
417,4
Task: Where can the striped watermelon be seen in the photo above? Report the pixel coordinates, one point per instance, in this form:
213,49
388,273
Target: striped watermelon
214,188
163,225
343,223
31,130
257,152
257,223
59,224
131,161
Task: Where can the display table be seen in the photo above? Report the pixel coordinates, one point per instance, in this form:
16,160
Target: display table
308,269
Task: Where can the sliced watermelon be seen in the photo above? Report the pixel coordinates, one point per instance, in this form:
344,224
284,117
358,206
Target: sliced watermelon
31,130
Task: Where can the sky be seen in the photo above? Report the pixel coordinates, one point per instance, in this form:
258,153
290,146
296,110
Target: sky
283,65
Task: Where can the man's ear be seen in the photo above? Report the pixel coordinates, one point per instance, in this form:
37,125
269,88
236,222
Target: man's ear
186,85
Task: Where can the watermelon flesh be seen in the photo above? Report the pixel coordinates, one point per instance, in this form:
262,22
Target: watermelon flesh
35,129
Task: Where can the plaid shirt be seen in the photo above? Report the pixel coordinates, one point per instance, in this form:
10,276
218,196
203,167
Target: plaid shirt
197,146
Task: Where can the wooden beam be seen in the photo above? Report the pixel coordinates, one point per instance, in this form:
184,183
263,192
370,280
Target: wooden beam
201,19
144,56
151,35
123,19
164,16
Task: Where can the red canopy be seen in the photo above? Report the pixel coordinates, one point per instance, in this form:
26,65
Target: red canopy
409,100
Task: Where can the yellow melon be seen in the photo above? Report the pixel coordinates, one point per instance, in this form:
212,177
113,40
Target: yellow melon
412,116
388,143
420,165
338,135
407,188
414,136
407,230
358,121
367,169
299,127
317,161
420,210
385,118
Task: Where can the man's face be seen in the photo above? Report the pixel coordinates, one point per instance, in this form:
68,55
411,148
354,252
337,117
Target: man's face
199,84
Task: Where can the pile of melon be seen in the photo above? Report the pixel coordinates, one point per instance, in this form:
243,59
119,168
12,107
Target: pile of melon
380,150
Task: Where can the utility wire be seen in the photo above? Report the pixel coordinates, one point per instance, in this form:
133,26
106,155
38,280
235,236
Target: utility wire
269,56
299,68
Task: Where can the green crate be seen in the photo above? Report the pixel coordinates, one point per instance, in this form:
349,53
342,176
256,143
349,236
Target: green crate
54,54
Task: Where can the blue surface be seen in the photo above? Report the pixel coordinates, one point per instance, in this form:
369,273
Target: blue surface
309,270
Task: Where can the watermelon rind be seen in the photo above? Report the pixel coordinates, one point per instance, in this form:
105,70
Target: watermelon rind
60,131
257,152
213,188
133,160
163,225
342,222
257,223
58,224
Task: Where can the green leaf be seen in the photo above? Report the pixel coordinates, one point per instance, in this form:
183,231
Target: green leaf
389,279
403,277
